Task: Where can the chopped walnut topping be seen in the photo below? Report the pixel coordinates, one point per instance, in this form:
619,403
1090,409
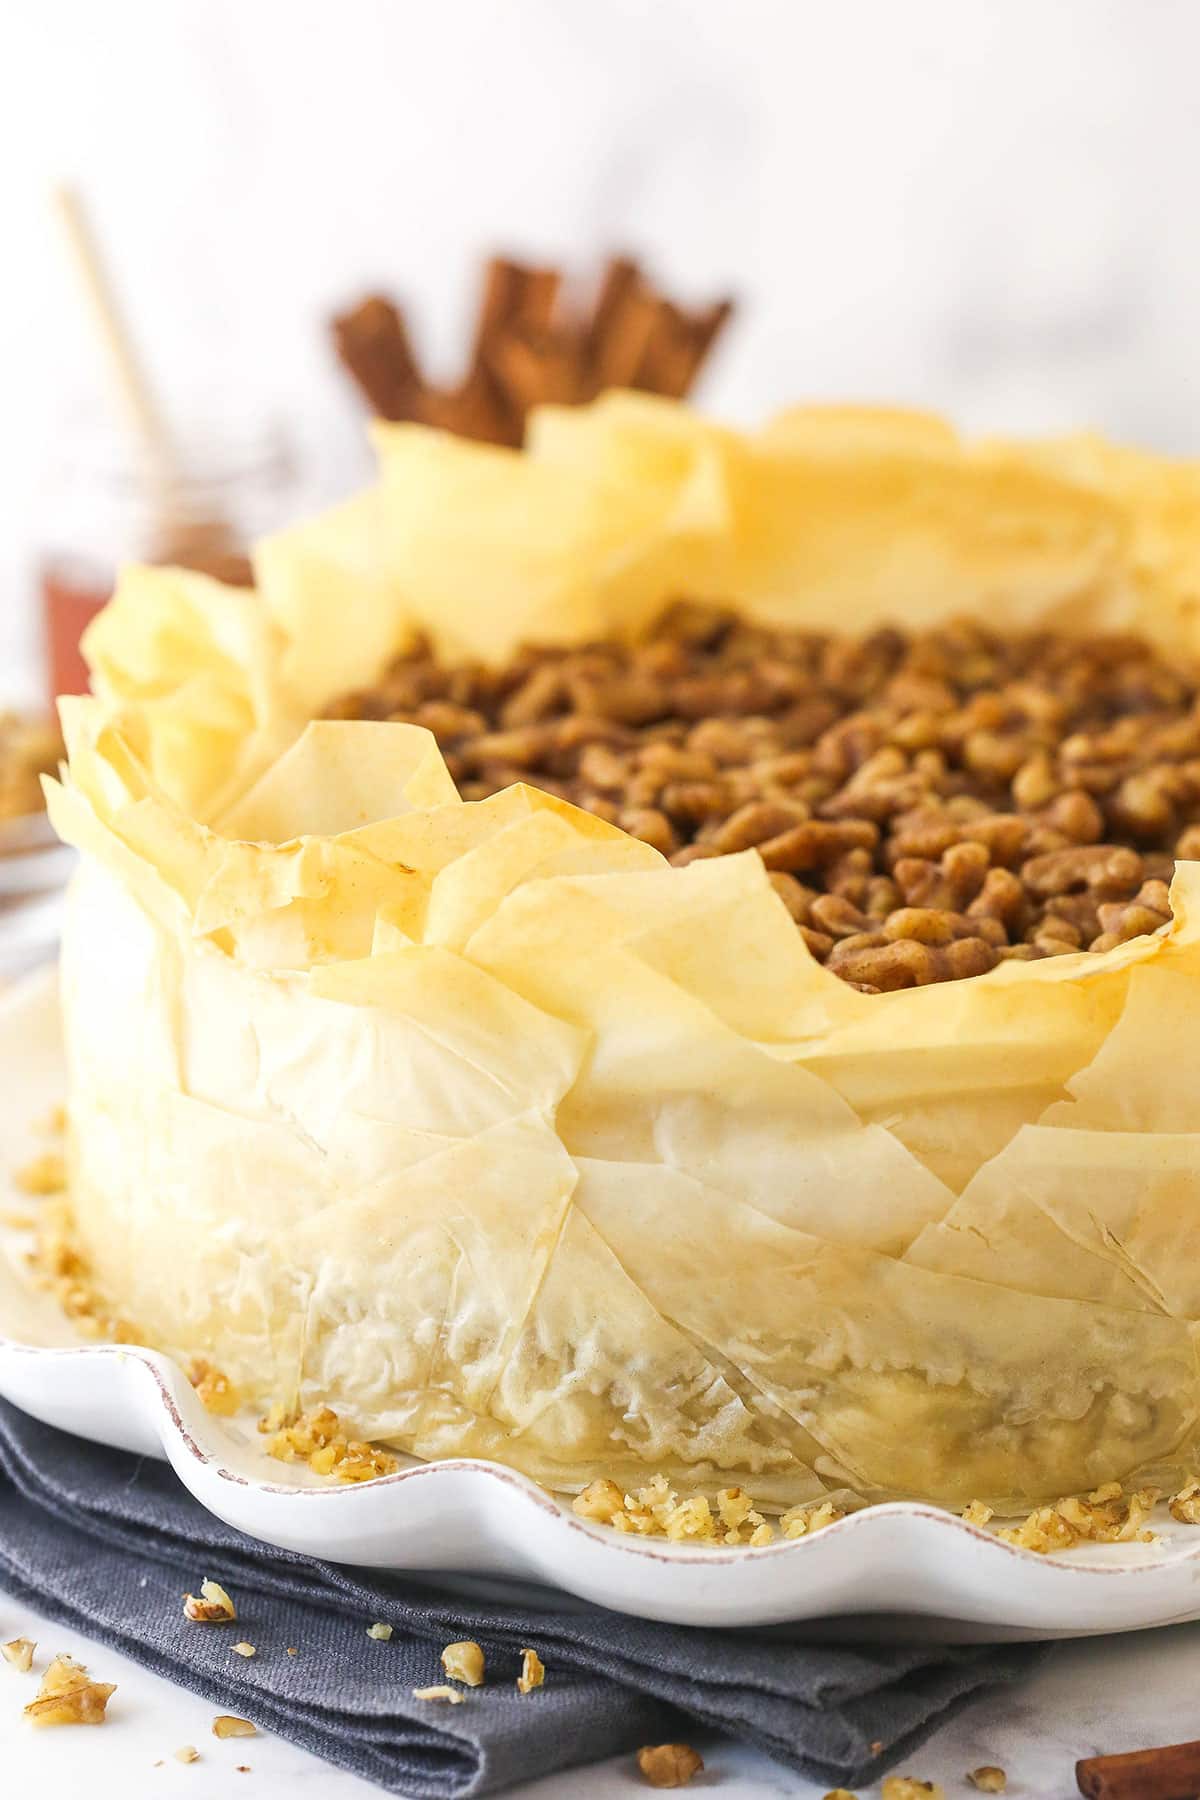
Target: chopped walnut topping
989,1779
454,1696
45,1174
187,1753
226,1726
217,1393
380,1631
976,1513
464,1662
68,1696
1105,1516
213,1607
318,1439
19,1652
243,1649
1185,1505
928,804
533,1672
668,1765
906,1787
57,1265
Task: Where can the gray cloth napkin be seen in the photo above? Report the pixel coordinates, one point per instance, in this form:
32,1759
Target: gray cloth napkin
107,1543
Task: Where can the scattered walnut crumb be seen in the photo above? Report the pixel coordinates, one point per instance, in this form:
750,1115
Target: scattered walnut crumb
464,1662
1104,1516
318,1439
668,1765
533,1672
976,1513
839,1794
217,1393
214,1607
241,1768
187,1753
989,1779
244,1649
656,1510
802,1521
453,1695
1185,1505
57,1265
226,1726
907,1787
68,1696
291,1649
382,1632
19,1652
45,1174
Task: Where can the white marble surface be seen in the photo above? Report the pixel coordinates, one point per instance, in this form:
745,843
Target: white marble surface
1098,1696
979,207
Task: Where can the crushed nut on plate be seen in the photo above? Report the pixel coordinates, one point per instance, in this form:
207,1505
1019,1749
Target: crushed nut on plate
464,1662
68,1696
1184,1506
453,1695
213,1607
226,1726
187,1753
319,1439
533,1672
668,1765
217,1393
656,1510
989,1779
19,1652
976,1513
1105,1516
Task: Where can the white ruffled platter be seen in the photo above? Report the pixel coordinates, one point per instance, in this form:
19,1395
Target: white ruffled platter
912,1568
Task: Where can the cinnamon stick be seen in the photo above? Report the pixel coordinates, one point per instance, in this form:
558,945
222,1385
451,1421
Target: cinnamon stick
1170,1772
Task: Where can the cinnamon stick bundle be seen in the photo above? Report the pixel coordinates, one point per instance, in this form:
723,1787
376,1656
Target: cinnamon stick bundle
530,348
1170,1772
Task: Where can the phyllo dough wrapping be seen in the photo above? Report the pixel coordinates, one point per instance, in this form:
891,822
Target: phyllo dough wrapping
485,1126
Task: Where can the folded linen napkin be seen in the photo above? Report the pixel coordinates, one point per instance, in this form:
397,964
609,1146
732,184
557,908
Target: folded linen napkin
107,1543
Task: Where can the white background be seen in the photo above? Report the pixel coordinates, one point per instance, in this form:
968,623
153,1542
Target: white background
989,208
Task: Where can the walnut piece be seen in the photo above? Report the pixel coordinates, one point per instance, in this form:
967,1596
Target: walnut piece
19,1652
379,1631
68,1696
1105,1516
907,1787
1185,1505
464,1662
187,1753
668,1765
225,1725
243,1649
976,1513
213,1607
217,1393
454,1696
533,1672
989,1779
319,1439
